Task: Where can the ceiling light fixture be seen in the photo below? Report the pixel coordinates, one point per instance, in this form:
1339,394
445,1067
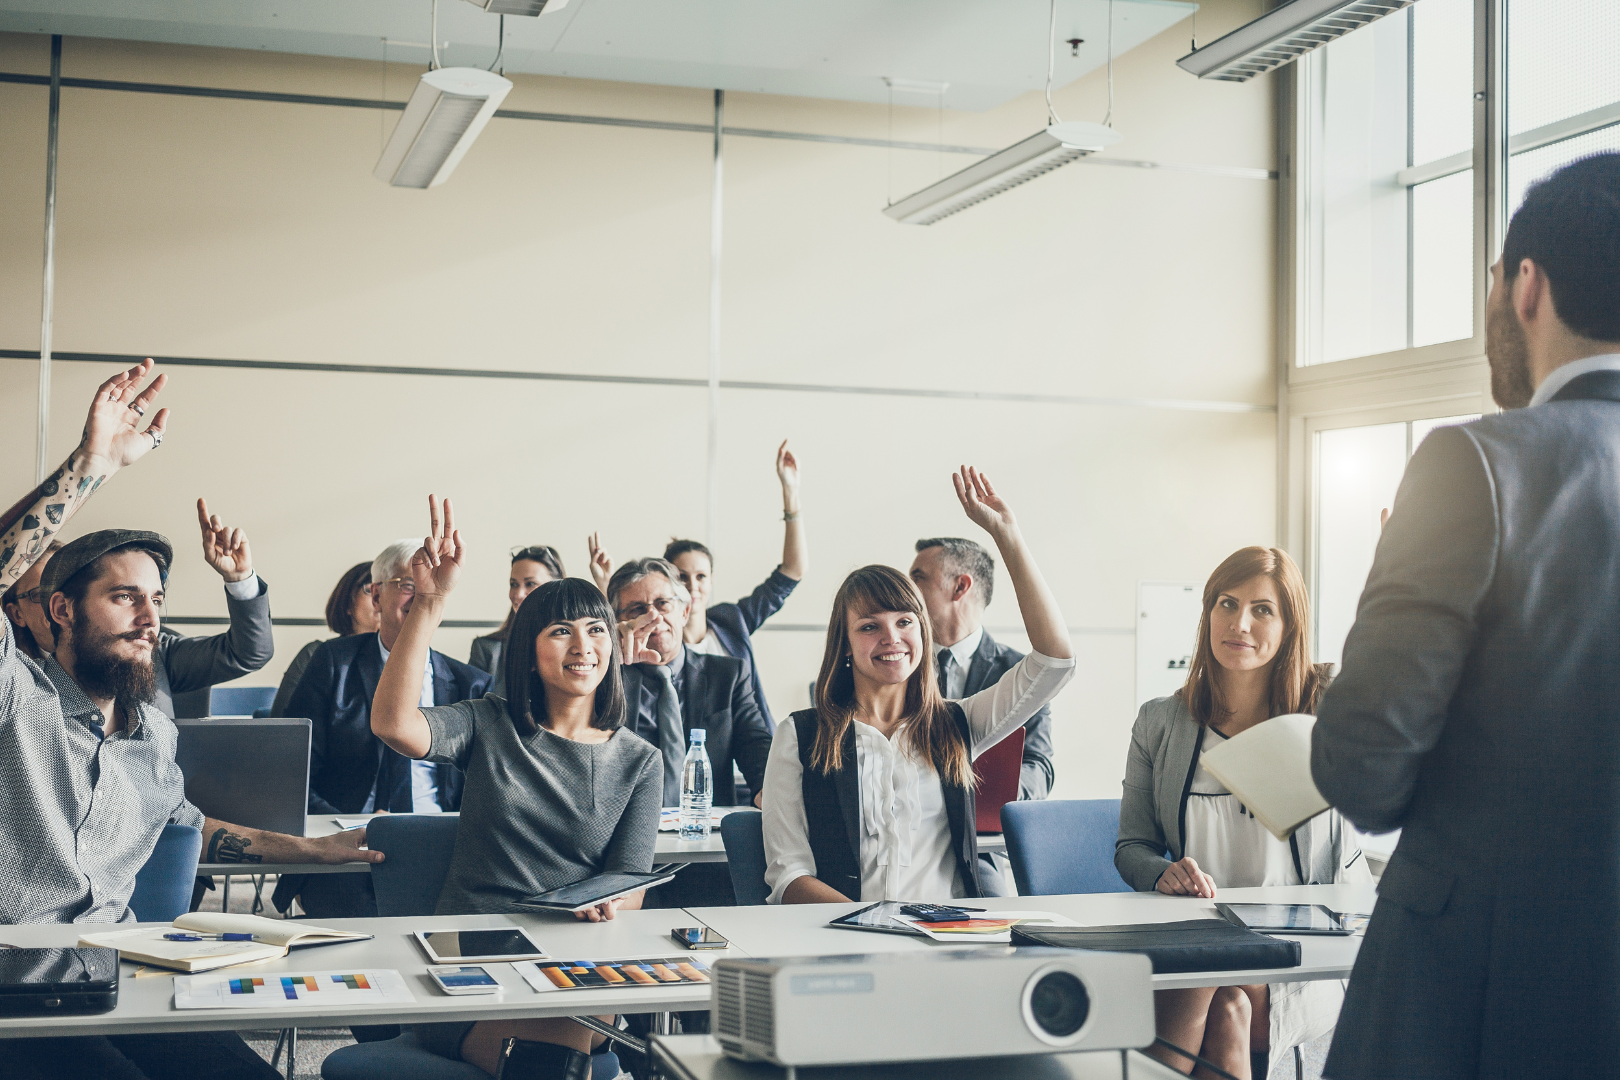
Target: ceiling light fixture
1279,36
519,7
1059,144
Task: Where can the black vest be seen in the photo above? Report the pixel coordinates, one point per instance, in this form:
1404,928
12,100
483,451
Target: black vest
832,811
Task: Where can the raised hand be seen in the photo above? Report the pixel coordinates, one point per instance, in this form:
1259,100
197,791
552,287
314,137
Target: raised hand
787,469
601,563
633,635
436,566
981,503
112,432
225,549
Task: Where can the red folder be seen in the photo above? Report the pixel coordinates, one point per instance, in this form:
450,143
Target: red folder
997,772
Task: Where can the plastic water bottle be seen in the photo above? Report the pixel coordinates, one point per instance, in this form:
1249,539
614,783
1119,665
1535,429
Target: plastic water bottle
697,788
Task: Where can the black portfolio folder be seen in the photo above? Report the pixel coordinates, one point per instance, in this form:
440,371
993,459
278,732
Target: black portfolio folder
1173,947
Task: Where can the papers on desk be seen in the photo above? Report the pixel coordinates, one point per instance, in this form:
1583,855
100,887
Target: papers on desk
271,939
277,990
347,823
548,975
985,927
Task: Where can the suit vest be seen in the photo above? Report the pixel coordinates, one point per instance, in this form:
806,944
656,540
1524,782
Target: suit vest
832,813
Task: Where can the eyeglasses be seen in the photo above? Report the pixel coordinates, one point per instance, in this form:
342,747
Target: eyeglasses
32,595
663,605
406,586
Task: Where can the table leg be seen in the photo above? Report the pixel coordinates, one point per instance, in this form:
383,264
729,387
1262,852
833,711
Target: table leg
225,897
292,1051
662,1023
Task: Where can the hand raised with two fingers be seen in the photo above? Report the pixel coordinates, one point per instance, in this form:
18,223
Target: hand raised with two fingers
436,566
601,563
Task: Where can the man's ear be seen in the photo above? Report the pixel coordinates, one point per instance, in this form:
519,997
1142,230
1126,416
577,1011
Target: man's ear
60,609
1529,291
14,613
964,587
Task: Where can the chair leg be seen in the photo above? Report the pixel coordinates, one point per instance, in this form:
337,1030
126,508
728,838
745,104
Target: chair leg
275,1056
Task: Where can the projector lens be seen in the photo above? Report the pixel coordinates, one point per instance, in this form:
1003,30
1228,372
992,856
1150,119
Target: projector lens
1059,1004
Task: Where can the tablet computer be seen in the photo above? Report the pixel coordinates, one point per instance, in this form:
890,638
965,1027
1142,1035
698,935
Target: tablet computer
1284,918
879,918
489,945
598,890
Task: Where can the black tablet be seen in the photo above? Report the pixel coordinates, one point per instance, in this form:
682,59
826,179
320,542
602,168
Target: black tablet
1284,918
598,890
879,918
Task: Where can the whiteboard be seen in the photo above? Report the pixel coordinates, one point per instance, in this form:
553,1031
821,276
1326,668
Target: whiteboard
1167,614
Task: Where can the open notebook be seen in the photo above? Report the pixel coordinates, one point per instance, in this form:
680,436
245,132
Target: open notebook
1268,768
271,939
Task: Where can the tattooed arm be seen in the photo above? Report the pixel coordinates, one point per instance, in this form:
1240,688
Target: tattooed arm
112,439
227,843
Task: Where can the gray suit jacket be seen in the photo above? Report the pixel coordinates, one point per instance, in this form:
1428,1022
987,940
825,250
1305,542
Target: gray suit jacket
489,654
1479,710
190,665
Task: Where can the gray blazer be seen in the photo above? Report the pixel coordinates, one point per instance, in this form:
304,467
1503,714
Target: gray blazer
1479,710
489,654
1165,744
187,666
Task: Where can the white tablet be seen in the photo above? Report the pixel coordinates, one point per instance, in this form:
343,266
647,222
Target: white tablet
490,945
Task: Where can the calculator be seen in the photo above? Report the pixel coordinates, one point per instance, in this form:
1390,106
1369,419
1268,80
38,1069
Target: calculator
936,912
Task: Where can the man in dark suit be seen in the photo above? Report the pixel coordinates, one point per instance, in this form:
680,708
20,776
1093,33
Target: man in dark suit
1478,708
670,690
351,771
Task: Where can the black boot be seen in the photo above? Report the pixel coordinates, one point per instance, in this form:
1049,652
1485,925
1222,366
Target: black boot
1259,1064
524,1060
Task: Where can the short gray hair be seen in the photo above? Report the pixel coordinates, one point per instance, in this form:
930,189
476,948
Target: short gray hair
633,571
965,557
393,558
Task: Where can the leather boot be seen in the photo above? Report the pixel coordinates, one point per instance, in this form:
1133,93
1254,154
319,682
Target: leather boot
524,1060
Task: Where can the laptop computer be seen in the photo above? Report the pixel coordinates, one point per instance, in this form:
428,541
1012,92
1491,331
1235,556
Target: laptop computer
252,772
997,770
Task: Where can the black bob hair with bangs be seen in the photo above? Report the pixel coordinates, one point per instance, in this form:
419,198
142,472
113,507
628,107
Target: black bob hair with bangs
567,600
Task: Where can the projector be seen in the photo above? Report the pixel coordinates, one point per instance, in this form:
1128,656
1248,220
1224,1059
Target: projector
845,1010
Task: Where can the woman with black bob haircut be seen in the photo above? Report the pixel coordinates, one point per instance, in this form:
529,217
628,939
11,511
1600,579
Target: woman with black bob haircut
556,792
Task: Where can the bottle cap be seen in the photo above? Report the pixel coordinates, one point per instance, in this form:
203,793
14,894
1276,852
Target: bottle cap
698,736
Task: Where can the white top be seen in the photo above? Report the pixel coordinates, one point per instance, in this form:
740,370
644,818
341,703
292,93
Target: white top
1562,376
1226,841
710,645
961,658
424,774
905,833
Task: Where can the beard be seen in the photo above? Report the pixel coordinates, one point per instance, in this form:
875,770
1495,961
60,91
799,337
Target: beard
1509,357
102,672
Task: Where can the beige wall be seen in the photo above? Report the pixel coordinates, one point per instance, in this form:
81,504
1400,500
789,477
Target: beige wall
212,228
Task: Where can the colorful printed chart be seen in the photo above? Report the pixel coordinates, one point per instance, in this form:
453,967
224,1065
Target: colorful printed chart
331,989
545,975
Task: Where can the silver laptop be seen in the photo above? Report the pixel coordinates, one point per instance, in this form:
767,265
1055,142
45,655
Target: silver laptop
252,772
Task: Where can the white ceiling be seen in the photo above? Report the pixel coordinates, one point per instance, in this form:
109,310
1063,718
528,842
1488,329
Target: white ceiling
985,51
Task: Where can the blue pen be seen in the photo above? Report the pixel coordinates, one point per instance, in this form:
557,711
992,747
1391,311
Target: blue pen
207,937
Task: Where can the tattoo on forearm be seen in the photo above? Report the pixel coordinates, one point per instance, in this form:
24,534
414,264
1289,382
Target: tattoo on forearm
42,513
227,847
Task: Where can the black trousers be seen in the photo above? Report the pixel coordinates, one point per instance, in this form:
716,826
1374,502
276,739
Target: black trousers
189,1055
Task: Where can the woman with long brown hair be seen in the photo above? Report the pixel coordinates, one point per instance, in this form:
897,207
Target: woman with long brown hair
532,567
883,750
1182,833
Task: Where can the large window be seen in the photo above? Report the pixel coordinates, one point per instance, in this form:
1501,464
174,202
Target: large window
1563,100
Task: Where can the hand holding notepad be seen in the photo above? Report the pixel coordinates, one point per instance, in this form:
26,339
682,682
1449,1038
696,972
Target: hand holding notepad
1268,768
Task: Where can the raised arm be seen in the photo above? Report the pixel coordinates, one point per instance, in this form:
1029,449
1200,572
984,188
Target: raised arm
795,554
601,563
396,712
113,438
249,643
1043,622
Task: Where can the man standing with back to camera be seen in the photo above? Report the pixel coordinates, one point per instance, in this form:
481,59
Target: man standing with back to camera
1479,705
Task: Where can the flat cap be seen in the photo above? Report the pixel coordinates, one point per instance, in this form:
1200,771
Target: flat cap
88,548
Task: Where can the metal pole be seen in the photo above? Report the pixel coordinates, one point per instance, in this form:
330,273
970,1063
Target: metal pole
715,222
43,424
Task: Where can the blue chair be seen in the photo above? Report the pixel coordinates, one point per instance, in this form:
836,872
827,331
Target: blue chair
743,833
239,700
407,884
163,886
1065,846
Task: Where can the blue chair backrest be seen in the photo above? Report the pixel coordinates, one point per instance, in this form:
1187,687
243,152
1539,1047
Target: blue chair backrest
239,700
418,847
163,886
1063,846
744,836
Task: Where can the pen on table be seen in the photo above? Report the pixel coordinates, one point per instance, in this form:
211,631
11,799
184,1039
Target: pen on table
208,937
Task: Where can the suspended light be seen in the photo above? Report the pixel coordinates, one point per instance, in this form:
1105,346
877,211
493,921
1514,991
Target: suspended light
1276,38
448,109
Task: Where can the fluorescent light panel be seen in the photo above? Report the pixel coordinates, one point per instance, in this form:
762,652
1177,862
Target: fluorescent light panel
515,7
447,110
1276,38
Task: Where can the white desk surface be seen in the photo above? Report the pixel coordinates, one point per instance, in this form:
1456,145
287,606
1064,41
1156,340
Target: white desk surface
802,930
669,849
699,1057
146,1004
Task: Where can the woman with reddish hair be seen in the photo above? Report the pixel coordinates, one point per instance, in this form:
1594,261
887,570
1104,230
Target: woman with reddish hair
1252,662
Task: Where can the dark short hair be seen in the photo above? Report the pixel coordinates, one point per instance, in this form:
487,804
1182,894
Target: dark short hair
633,571
545,555
676,548
76,586
966,557
554,602
1569,226
340,605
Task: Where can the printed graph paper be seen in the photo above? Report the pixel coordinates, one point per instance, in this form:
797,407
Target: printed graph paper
325,989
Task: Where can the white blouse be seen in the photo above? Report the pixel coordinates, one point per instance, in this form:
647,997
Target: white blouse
905,832
1229,843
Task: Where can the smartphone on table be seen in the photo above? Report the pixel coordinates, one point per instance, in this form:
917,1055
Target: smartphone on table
698,937
460,979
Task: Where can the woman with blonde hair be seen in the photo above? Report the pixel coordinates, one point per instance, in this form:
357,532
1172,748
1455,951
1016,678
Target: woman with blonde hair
1252,662
869,795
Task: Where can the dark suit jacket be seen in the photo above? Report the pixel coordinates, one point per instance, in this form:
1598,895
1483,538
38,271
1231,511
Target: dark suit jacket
335,694
187,666
991,661
716,695
734,626
1478,709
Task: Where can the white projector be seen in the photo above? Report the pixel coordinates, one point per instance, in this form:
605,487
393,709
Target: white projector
844,1010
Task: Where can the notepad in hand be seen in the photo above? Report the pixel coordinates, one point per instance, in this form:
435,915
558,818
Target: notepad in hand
1268,768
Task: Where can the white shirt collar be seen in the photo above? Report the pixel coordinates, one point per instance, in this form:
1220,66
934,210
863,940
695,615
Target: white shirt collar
1563,376
962,652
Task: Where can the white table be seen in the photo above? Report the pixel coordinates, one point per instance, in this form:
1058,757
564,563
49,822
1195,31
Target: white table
802,930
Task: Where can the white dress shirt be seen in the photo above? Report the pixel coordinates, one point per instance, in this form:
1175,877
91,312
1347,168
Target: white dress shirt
424,774
1227,841
905,832
1563,376
246,589
961,658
